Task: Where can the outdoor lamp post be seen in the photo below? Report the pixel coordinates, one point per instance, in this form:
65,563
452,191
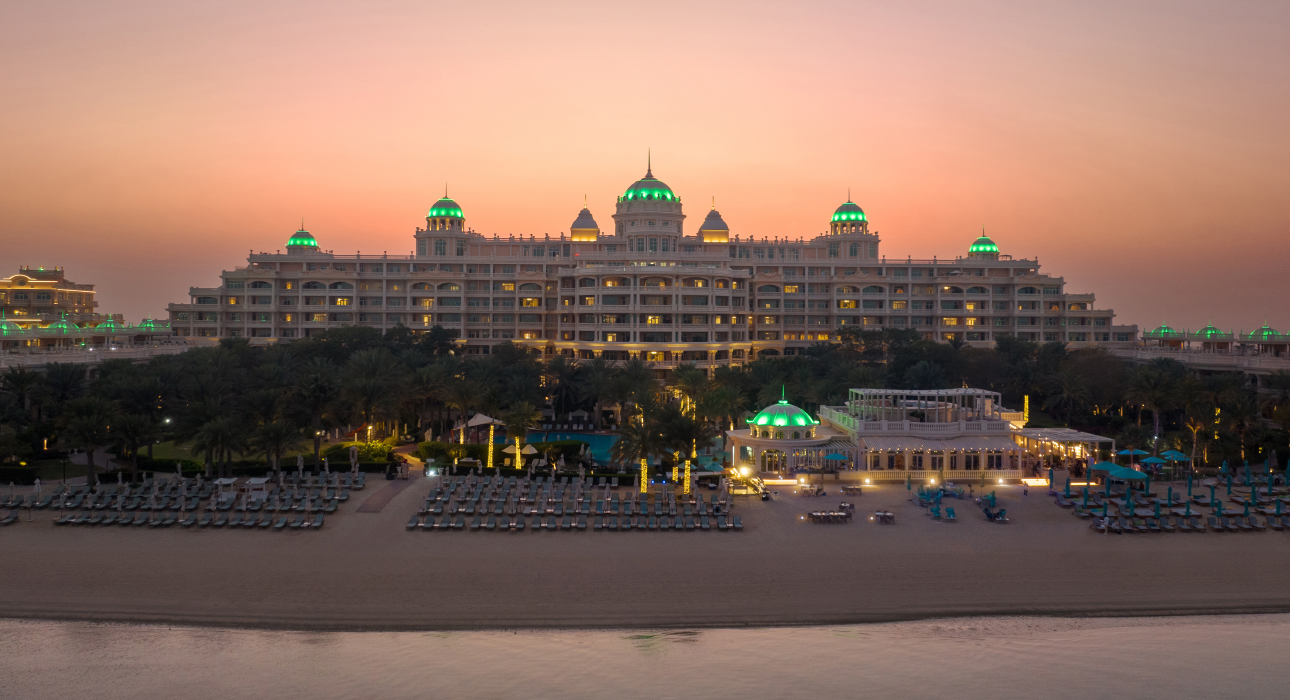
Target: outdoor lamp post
490,446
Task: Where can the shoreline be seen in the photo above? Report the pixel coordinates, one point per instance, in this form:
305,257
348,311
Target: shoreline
930,615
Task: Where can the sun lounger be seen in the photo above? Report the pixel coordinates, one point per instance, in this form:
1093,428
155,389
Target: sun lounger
689,523
168,520
704,524
235,519
1238,522
1124,525
414,523
1152,525
475,523
317,523
1164,524
94,519
282,523
566,523
738,523
1275,523
109,519
1253,520
721,523
612,522
299,522
139,519
1183,525
598,523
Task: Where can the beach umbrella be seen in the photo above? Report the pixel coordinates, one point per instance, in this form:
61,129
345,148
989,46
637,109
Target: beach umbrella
1106,506
1211,495
1068,487
909,485
1170,496
1130,503
1147,488
1223,469
1229,484
1219,509
1050,477
1086,497
1187,509
1278,507
1247,509
1157,511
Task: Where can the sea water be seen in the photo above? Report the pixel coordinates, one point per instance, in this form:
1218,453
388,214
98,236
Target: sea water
1021,657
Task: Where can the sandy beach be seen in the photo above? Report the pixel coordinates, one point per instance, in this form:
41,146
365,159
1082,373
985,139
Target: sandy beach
363,571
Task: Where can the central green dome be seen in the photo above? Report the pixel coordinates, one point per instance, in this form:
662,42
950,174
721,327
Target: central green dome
783,414
445,207
649,187
849,211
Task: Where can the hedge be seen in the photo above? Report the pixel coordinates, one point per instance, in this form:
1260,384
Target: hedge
439,451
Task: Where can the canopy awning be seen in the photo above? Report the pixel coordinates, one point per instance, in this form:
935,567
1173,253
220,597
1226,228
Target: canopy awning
984,442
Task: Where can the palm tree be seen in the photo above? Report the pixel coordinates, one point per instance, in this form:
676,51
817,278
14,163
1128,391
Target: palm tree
1155,390
371,383
87,427
1243,418
561,379
273,439
597,384
638,438
724,404
682,433
691,382
219,439
134,430
23,384
518,419
463,396
1068,390
316,394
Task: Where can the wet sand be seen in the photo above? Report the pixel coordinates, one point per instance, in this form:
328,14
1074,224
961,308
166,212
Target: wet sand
363,571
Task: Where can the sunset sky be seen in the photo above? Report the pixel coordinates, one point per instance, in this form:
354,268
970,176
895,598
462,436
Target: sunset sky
1139,149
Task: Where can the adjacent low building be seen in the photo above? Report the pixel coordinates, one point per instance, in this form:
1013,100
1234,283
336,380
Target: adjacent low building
41,310
651,287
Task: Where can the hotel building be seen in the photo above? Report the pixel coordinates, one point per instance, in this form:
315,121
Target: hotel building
40,310
651,286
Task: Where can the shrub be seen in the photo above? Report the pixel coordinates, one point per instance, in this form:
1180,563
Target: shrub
338,455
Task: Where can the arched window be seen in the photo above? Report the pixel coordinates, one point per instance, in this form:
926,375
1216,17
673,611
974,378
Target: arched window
341,285
873,289
779,435
978,290
313,285
797,435
530,287
768,289
449,287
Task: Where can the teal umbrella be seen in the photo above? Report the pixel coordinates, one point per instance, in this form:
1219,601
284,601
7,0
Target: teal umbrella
1086,498
1147,489
1211,496
1132,452
1188,509
1170,497
1219,508
1229,484
1050,477
1129,500
909,485
1278,507
1157,509
1068,487
1247,509
1106,505
1154,460
1189,485
1223,469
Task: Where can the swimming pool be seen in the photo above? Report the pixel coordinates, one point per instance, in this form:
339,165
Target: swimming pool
600,445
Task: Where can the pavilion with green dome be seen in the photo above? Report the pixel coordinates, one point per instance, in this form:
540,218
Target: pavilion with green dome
783,438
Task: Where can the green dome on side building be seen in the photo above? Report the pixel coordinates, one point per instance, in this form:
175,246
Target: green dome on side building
302,238
849,211
983,246
783,414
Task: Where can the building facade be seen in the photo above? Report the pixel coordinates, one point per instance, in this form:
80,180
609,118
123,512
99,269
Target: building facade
649,288
41,310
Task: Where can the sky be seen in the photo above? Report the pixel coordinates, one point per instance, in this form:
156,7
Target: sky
1141,150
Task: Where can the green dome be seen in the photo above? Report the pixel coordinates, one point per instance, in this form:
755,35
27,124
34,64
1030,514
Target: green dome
783,414
302,238
983,246
146,324
1164,331
1266,334
10,329
445,207
60,326
108,325
1211,332
850,211
649,187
